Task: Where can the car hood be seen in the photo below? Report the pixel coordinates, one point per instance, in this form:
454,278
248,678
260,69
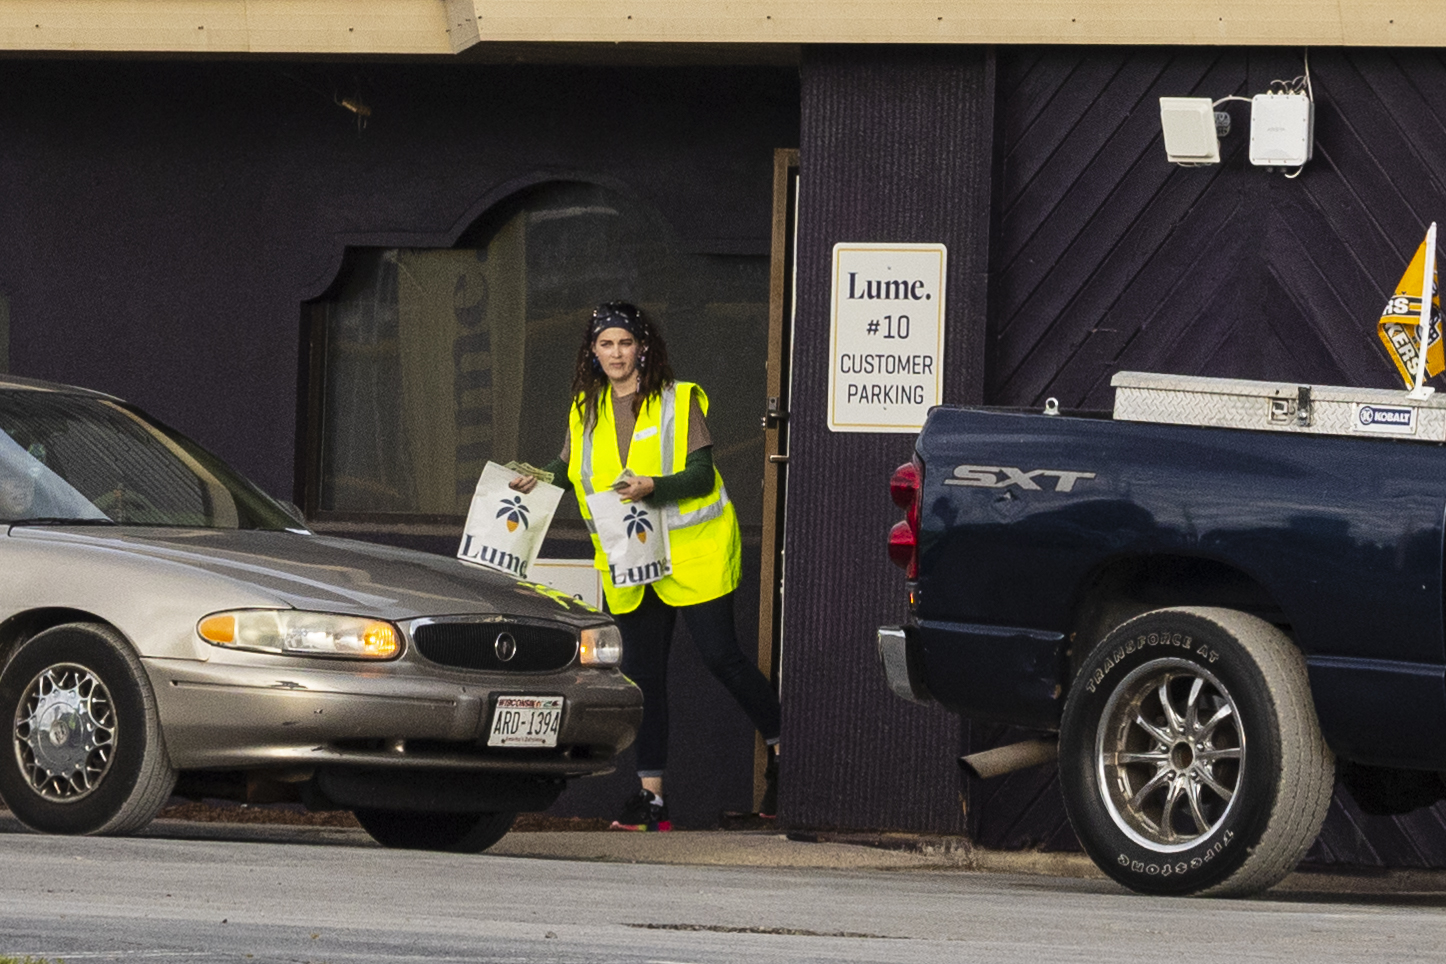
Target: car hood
307,571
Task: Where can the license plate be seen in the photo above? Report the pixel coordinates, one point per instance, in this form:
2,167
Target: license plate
526,721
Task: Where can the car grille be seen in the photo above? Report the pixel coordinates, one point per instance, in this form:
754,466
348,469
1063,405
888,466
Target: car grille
469,645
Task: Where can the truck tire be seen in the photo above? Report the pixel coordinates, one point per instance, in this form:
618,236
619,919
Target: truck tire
1190,758
458,833
86,753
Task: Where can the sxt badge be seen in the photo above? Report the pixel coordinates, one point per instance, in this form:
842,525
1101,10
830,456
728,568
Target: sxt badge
1003,476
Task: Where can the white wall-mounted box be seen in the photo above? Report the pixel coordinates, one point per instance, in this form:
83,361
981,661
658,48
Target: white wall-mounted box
1189,127
1282,130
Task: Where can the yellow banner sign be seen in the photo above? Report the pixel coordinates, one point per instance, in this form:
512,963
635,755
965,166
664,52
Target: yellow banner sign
1399,326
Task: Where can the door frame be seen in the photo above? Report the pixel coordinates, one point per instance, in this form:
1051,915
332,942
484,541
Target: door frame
781,304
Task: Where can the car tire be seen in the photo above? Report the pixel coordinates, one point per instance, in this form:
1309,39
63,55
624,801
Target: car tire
86,754
1191,761
458,833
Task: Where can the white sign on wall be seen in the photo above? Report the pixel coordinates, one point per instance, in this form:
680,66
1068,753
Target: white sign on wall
886,342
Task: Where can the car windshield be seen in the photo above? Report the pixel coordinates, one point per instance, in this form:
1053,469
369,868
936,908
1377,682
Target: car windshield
82,460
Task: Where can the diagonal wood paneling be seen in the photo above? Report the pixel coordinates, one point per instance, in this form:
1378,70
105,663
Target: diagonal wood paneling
1105,257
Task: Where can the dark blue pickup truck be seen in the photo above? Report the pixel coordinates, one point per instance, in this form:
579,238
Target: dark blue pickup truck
1211,595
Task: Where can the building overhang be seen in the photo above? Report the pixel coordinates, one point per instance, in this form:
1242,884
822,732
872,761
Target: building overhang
444,28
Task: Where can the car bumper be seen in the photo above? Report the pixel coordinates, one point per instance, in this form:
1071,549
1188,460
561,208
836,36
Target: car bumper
228,716
899,658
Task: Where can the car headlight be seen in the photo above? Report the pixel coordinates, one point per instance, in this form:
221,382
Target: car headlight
601,646
301,634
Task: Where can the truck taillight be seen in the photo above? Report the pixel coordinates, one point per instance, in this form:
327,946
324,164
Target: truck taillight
904,486
902,547
904,536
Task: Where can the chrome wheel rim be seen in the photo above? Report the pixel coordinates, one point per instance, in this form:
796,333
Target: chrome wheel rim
1170,751
65,731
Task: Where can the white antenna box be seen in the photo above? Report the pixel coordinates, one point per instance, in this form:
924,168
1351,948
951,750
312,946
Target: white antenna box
1282,130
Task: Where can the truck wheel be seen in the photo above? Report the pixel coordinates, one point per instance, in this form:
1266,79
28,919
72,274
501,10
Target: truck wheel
1190,757
458,833
86,754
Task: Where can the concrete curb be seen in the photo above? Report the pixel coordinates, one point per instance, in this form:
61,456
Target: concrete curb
732,848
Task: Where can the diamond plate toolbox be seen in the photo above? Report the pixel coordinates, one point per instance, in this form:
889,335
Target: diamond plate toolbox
1278,406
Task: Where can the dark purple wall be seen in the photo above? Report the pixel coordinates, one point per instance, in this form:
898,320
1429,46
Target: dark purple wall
1107,257
894,147
160,224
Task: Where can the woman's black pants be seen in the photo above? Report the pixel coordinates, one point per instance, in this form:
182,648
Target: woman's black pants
647,639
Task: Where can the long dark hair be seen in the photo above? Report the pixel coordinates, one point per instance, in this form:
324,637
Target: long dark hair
654,371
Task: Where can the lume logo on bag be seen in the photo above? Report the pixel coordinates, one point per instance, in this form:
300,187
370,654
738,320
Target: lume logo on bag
505,528
492,556
633,540
515,511
640,575
638,524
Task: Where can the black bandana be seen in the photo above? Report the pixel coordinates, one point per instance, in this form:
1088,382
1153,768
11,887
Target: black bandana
617,314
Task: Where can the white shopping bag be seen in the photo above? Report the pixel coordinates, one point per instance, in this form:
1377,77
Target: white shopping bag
505,528
633,537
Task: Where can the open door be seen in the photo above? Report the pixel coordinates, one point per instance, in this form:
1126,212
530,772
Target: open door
775,423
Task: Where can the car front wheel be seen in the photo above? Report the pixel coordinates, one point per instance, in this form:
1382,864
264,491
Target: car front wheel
1191,761
458,833
86,752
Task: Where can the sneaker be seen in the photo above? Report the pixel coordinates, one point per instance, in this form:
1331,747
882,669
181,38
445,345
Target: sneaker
642,812
769,807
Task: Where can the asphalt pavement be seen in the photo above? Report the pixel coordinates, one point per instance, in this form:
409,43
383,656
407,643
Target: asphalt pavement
759,848
261,892
252,893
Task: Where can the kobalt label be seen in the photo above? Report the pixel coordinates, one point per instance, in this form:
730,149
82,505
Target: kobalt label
1384,419
886,341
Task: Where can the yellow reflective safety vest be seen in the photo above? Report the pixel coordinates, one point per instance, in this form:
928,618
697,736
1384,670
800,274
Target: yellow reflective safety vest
703,539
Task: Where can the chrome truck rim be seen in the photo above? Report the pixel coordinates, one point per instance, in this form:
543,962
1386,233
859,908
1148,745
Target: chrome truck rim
1170,751
65,732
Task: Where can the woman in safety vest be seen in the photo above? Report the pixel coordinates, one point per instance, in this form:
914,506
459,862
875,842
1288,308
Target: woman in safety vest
635,429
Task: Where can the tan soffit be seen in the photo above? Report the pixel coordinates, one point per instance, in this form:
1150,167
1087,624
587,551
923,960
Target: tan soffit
434,27
227,26
1402,23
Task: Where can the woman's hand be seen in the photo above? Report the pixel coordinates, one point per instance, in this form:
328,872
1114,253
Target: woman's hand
636,489
523,484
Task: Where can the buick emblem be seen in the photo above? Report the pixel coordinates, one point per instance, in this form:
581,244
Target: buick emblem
505,647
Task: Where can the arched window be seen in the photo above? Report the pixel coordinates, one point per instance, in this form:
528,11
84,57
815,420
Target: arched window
432,362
